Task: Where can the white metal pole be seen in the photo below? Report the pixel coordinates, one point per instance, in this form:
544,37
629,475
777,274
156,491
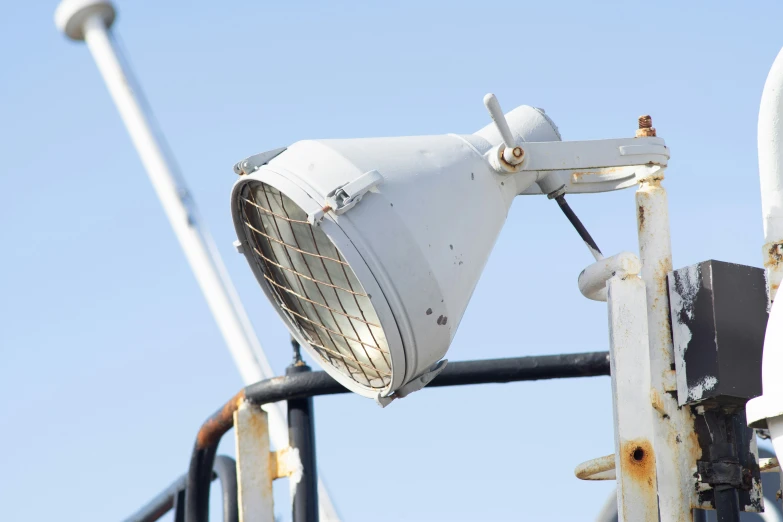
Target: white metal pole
770,145
88,19
217,290
676,449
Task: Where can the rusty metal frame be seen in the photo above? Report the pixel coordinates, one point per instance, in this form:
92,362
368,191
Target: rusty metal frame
196,483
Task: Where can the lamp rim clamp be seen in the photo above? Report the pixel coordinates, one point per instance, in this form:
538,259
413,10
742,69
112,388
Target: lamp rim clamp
345,197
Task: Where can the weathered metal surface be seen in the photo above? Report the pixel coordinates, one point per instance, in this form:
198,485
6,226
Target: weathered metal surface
254,464
632,408
675,443
772,254
729,457
592,280
719,317
646,129
769,465
219,423
601,468
286,463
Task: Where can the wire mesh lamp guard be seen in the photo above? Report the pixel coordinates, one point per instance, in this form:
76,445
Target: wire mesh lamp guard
315,287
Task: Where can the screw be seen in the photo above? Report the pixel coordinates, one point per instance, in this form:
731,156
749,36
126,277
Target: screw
297,353
645,127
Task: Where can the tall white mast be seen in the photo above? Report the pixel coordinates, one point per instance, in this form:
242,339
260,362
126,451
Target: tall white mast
90,20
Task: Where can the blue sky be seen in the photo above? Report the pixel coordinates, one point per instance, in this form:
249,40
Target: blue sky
109,358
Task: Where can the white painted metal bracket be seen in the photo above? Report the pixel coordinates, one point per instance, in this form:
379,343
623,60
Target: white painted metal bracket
344,197
593,279
257,466
634,433
253,163
414,385
595,165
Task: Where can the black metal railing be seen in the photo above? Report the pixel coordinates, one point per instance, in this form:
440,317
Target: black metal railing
297,387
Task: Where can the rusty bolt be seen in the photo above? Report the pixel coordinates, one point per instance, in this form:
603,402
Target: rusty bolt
645,127
518,152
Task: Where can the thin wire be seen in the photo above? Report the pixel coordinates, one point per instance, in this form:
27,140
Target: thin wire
285,289
254,229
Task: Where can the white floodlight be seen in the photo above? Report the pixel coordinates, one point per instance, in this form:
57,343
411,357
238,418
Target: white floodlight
370,248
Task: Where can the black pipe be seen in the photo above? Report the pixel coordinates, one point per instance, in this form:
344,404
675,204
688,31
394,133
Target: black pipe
727,504
301,435
312,384
513,369
723,450
225,469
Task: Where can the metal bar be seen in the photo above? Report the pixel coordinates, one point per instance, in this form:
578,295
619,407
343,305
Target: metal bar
173,496
254,465
301,437
676,449
203,457
161,504
632,406
226,470
727,504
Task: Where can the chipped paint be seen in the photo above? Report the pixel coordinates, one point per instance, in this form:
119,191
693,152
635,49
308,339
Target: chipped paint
696,392
254,464
295,471
675,461
657,402
633,399
773,267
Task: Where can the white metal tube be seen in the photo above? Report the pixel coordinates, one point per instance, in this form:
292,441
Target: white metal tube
770,134
215,288
220,294
675,449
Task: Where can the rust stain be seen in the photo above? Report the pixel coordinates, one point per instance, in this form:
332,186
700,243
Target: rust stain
641,218
774,255
657,402
219,423
693,444
576,176
638,462
645,127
